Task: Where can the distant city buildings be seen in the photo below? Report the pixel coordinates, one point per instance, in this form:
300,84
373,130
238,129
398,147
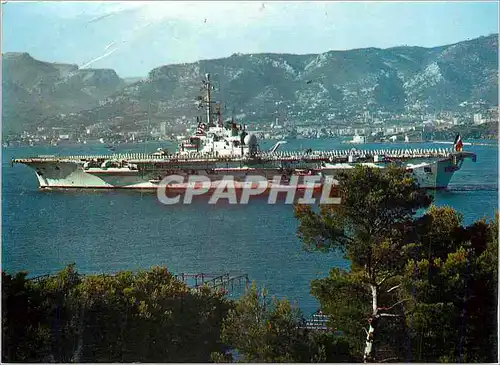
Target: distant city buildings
285,124
478,118
163,128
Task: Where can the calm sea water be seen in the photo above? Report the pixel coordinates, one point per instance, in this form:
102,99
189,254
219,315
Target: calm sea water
110,231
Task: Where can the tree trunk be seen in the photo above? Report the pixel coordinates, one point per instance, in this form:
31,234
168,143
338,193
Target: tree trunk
369,348
81,332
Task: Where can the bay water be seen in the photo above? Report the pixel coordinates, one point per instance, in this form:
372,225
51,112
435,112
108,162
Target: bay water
107,231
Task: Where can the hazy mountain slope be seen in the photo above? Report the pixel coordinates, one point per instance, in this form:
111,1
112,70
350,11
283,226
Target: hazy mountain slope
257,85
315,85
34,90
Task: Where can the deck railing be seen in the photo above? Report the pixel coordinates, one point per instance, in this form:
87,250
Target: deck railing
284,156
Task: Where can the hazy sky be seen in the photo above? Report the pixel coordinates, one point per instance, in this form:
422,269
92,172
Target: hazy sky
134,37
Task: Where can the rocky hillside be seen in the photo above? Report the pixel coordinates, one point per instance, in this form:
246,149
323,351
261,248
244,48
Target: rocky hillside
33,91
255,86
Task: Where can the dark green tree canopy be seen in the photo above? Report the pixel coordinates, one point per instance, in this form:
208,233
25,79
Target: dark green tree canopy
148,316
421,284
264,329
376,205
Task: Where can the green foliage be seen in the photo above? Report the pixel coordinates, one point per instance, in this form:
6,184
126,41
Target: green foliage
427,286
24,338
376,205
343,296
453,291
271,330
371,227
147,316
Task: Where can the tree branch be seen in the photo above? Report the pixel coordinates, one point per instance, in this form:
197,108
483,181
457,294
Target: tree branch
392,306
374,299
345,237
389,359
384,279
393,288
400,302
389,315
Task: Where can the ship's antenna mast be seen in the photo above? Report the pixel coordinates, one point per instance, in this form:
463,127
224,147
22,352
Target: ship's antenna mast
208,86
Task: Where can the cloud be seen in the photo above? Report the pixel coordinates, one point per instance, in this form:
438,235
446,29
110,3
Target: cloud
145,34
96,9
219,13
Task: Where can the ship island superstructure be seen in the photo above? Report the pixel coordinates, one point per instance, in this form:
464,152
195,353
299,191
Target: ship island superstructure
221,150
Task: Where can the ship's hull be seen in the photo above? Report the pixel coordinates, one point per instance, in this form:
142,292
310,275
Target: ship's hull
72,175
434,175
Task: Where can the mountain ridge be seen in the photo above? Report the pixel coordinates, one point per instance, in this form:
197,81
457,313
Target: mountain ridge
18,53
311,86
35,90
